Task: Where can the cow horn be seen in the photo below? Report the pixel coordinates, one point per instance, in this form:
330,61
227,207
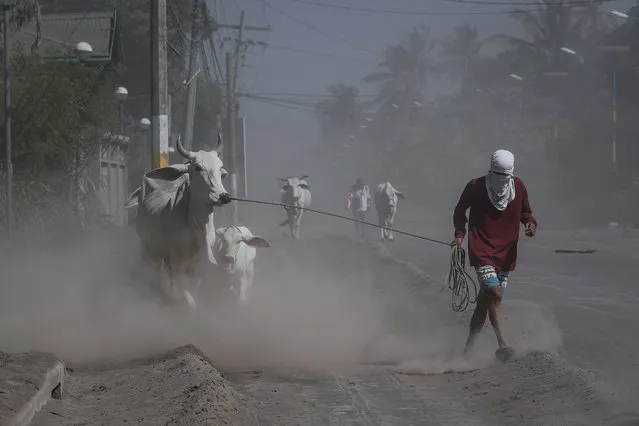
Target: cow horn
218,147
183,151
304,177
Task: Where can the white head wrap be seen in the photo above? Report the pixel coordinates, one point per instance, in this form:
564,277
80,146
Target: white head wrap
499,180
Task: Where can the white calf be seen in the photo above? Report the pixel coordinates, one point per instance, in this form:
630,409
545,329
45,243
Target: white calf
234,251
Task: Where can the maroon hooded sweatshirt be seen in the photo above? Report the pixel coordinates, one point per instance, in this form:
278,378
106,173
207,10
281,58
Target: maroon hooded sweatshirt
493,234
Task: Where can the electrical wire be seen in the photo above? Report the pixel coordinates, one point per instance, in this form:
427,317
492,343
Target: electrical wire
303,95
266,43
568,3
317,30
322,54
433,13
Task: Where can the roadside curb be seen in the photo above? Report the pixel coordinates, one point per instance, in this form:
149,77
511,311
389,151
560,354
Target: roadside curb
383,252
50,387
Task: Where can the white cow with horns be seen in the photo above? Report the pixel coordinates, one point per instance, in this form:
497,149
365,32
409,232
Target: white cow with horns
386,201
296,194
235,251
175,218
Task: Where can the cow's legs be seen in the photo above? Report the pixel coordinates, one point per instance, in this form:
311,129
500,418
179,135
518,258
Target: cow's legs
178,291
389,226
298,220
246,282
381,222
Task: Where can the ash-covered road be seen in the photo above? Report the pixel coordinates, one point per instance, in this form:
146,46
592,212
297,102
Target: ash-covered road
594,297
335,334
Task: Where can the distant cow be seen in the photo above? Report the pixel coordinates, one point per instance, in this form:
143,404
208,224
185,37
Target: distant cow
235,250
296,194
386,200
175,217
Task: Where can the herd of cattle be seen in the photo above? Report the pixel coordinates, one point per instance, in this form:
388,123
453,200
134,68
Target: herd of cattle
175,225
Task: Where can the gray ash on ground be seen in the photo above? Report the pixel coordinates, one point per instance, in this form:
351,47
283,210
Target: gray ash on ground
334,335
178,388
21,376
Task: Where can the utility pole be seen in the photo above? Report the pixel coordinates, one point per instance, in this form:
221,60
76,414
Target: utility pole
232,71
6,10
159,90
232,113
191,81
230,117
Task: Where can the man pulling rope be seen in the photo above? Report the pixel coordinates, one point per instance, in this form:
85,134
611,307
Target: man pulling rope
498,203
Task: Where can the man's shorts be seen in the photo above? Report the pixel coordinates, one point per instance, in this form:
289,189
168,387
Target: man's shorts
488,278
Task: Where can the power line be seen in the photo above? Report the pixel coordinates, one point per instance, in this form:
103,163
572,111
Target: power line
397,11
266,41
314,28
316,53
305,95
529,3
432,13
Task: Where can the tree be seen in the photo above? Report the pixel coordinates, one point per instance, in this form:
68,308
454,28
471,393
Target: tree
403,72
133,23
60,113
22,13
339,114
549,29
593,23
460,52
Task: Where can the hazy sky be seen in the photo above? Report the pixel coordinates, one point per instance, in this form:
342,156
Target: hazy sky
357,36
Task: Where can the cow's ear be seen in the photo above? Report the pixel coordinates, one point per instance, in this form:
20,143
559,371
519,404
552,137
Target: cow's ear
305,186
400,194
132,201
219,232
256,241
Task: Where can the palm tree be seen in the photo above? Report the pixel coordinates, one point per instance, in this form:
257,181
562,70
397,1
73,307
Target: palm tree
460,51
592,21
549,29
339,113
403,71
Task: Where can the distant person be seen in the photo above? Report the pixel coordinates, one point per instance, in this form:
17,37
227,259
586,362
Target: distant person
359,202
498,203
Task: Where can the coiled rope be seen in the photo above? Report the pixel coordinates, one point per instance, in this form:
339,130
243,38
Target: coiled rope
457,275
458,281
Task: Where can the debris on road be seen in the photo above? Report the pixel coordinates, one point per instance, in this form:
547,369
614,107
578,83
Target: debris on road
577,251
177,388
27,382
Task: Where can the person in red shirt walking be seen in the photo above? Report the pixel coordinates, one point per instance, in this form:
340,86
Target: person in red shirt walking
498,204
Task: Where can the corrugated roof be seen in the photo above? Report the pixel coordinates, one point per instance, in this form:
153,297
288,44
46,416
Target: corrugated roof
62,31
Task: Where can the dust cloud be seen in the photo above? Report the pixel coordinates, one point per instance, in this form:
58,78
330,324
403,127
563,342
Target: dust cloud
82,304
320,304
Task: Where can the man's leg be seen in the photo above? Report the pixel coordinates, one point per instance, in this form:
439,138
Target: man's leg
488,302
476,322
494,313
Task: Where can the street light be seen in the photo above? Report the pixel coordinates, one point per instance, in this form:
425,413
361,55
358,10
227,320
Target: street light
145,124
121,94
83,51
619,14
